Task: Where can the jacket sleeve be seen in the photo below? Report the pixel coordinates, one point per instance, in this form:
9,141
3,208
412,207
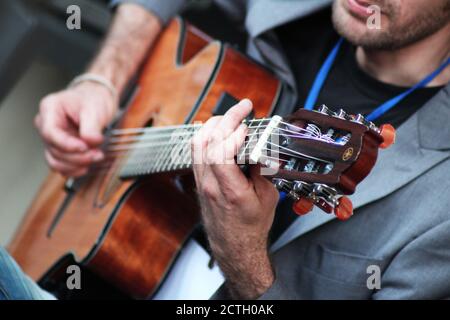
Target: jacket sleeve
421,270
278,291
163,9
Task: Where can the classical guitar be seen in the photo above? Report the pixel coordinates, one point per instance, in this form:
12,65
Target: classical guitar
128,218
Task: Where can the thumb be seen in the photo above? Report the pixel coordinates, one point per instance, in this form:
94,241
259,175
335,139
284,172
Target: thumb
91,127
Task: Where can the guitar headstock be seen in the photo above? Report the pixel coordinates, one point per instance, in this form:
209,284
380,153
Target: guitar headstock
317,157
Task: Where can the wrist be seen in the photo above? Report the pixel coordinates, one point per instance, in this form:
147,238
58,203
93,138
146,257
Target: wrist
95,95
250,279
98,80
248,269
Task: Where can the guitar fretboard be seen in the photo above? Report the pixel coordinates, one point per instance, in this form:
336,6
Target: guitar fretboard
157,150
162,150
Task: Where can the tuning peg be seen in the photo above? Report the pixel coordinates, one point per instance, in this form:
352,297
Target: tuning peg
303,206
298,186
387,131
341,114
280,184
344,209
360,119
324,109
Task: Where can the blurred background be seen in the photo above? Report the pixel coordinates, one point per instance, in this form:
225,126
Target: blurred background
39,55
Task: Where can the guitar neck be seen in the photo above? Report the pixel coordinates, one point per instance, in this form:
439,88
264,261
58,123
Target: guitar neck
159,150
167,149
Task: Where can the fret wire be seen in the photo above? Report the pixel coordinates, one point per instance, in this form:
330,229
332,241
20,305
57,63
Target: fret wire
251,139
142,156
185,146
167,152
159,159
162,159
187,159
173,154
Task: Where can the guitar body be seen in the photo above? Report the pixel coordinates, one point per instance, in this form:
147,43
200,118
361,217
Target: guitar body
130,231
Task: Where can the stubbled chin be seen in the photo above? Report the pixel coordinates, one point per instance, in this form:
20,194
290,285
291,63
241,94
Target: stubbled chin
347,25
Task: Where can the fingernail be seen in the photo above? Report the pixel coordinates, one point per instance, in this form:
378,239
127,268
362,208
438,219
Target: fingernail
98,156
82,148
246,102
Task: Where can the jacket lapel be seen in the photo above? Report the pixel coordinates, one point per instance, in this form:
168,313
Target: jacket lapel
422,142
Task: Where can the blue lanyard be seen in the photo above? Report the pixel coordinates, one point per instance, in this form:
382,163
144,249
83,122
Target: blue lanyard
378,112
382,109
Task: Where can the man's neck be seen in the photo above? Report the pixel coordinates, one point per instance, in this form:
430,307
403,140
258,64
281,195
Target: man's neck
409,65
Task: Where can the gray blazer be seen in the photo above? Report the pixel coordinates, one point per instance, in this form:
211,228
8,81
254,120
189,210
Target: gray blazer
402,218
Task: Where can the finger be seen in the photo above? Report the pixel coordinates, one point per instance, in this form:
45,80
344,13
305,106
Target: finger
208,188
52,133
264,188
232,119
199,143
221,159
204,178
91,127
234,143
224,152
64,168
79,173
77,159
38,121
230,177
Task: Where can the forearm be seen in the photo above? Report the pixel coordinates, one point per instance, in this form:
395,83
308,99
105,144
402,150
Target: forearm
248,271
132,33
237,210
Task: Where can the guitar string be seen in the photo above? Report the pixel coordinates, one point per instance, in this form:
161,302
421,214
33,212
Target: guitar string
137,158
150,155
149,148
189,164
139,138
259,121
150,141
125,131
240,154
128,131
180,128
135,140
